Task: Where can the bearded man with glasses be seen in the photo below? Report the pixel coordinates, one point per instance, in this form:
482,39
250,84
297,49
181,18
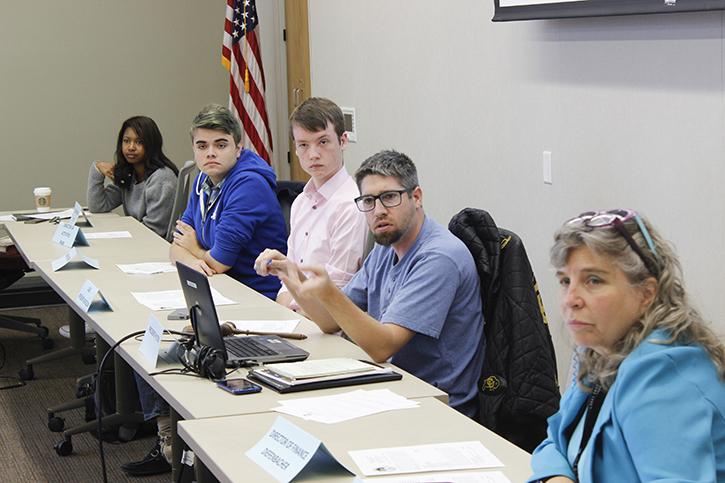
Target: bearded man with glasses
416,300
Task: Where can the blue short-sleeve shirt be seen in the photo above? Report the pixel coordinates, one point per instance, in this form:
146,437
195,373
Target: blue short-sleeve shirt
433,291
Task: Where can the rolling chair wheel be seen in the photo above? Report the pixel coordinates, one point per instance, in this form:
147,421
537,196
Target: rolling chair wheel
64,448
47,344
26,373
56,424
88,357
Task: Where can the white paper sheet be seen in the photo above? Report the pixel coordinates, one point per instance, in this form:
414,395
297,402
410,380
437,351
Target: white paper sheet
173,299
346,406
474,477
422,458
523,3
148,268
276,326
108,234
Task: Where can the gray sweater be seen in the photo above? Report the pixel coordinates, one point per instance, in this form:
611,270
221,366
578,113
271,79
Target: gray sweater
150,201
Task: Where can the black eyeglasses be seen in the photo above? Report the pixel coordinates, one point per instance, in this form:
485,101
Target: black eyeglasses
388,199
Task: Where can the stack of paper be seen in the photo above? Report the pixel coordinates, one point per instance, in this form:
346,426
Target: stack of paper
473,477
108,234
173,299
462,455
148,268
277,326
346,406
321,368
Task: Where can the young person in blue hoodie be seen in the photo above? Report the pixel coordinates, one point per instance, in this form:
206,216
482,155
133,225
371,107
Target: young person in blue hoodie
232,215
233,212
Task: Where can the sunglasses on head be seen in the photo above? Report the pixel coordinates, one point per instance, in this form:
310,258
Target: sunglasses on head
616,219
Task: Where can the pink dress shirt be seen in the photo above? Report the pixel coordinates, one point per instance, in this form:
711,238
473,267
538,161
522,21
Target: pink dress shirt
326,228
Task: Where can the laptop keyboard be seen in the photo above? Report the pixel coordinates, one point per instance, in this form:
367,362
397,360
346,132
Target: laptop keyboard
245,347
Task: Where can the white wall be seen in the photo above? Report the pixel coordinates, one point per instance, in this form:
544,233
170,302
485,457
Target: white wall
631,108
71,72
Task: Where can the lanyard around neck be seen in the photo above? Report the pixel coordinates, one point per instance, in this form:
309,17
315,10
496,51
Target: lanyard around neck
593,405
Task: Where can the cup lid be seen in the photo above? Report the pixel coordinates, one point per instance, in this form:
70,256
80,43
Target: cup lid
43,190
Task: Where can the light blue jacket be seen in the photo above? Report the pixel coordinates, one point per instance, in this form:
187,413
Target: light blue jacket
662,420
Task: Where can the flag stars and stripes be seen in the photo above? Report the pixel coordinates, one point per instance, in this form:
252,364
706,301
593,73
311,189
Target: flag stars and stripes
241,55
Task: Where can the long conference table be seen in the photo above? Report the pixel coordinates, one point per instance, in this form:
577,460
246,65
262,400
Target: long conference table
218,426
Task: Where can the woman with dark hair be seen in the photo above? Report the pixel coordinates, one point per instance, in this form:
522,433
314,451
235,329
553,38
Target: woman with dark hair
649,400
143,179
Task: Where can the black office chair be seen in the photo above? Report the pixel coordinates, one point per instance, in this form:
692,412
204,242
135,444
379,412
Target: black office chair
518,387
187,173
12,269
287,191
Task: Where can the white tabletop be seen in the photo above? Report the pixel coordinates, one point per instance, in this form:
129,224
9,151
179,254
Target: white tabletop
221,443
34,241
189,396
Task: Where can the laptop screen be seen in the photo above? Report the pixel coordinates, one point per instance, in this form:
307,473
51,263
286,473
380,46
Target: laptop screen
200,303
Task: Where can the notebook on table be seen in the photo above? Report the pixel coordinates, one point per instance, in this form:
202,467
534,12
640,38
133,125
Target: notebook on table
284,379
239,350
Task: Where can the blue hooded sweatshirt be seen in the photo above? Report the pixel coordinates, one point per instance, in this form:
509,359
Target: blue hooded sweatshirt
244,220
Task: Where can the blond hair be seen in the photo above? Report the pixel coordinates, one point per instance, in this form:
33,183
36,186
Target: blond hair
670,310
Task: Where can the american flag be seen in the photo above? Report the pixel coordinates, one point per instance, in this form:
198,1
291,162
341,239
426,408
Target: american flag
242,58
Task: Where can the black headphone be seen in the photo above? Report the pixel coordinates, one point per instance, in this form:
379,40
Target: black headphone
204,360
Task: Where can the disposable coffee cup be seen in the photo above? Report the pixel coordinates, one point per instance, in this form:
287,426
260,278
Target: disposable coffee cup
42,199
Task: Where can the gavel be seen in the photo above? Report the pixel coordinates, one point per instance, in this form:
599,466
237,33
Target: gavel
228,329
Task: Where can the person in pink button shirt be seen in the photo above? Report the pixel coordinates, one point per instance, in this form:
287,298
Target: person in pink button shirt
326,228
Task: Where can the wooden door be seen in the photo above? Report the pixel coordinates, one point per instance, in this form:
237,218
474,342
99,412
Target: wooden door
298,69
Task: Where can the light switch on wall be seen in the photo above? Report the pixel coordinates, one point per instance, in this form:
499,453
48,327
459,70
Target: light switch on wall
546,158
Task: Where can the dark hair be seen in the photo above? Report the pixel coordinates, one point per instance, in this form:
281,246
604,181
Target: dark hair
146,129
389,163
314,114
217,118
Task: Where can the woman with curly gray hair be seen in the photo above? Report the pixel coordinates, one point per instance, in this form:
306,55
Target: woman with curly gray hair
649,403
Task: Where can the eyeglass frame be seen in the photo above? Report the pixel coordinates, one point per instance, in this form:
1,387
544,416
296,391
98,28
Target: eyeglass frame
618,223
379,197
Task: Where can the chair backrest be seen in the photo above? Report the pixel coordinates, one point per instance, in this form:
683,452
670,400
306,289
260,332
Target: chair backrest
287,191
187,173
369,245
518,387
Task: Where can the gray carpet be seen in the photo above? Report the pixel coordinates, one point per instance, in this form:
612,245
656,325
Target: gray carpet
26,443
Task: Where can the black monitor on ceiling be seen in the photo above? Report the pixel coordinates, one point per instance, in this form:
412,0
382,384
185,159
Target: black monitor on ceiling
508,10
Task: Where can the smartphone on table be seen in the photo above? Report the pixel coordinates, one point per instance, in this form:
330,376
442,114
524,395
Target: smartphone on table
239,386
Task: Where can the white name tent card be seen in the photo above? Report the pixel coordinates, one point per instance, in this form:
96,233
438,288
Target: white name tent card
78,212
68,235
286,451
86,298
426,457
151,341
70,255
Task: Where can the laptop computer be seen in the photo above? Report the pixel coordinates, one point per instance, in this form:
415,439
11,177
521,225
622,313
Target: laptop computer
240,351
